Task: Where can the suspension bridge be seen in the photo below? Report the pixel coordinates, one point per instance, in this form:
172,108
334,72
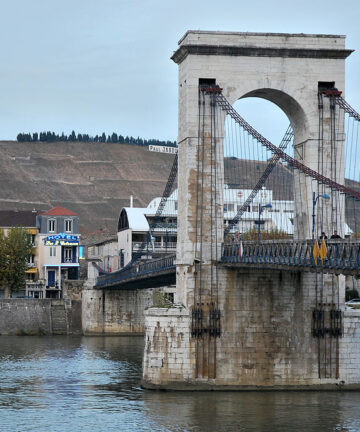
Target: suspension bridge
272,249
260,281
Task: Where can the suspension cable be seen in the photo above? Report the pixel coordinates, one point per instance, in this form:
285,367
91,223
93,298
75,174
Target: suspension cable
226,106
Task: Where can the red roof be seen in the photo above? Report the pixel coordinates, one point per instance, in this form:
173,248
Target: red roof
59,211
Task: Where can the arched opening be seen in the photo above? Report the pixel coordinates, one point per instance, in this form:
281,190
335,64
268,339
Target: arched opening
278,105
246,161
123,221
264,116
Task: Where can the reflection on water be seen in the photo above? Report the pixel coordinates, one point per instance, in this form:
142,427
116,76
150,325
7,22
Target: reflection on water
92,384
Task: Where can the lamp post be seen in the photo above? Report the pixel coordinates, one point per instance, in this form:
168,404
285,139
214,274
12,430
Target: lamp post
315,198
261,207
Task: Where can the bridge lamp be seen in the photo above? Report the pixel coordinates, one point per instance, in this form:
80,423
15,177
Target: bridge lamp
261,208
315,199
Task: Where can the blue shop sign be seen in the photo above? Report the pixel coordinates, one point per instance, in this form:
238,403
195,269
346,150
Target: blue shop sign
61,240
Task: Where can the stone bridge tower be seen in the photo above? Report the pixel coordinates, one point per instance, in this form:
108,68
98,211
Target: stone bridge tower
261,322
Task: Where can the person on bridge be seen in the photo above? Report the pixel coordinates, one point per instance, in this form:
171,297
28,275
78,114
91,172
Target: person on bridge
323,236
335,235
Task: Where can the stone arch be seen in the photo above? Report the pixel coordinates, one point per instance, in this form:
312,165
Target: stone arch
290,106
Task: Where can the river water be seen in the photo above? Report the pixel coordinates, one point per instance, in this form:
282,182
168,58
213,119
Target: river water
93,384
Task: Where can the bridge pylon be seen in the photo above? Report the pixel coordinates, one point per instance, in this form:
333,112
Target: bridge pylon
252,328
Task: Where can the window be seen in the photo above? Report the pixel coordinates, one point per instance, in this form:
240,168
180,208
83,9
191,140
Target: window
122,258
123,220
230,207
68,225
30,276
176,205
68,254
33,237
51,225
53,251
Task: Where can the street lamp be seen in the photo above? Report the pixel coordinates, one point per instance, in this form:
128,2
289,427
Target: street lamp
261,207
315,198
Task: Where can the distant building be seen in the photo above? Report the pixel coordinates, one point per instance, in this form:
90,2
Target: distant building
105,253
134,223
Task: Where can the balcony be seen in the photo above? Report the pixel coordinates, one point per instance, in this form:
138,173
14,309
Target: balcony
164,225
158,246
71,260
162,247
34,285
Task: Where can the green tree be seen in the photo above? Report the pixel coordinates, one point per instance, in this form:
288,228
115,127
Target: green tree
15,250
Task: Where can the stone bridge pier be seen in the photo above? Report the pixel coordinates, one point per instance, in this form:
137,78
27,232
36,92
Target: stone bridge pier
251,329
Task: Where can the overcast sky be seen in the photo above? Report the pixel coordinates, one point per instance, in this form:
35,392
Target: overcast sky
104,65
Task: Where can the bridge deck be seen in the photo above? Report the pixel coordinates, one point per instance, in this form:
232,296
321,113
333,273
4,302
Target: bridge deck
337,257
148,274
342,257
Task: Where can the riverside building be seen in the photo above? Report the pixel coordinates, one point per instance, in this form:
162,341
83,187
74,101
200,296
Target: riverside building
59,249
56,249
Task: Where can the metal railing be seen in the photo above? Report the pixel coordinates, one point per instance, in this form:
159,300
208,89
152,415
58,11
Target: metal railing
164,225
162,246
339,255
138,269
69,260
158,246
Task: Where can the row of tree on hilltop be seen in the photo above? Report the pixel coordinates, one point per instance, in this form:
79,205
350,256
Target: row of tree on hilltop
103,138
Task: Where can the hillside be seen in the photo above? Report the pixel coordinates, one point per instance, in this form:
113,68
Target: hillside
93,179
96,179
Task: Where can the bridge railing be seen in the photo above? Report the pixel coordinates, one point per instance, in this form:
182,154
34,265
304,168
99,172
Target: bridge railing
339,254
139,268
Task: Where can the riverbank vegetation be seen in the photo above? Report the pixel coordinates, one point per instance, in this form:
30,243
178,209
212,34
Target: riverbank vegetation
15,250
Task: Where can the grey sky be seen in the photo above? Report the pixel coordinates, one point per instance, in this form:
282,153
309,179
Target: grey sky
96,66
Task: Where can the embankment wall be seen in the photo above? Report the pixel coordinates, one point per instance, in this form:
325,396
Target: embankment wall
40,316
117,312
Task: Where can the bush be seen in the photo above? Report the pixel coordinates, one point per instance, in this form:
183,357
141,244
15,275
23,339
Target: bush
273,234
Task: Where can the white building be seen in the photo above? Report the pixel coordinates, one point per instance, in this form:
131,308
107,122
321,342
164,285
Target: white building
133,225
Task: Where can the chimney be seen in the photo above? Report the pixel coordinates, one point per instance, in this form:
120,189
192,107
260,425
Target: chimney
131,201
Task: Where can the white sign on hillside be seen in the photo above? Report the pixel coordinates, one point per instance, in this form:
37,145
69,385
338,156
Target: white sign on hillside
163,149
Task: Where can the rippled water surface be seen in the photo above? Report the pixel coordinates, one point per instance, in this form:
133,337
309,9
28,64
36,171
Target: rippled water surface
93,384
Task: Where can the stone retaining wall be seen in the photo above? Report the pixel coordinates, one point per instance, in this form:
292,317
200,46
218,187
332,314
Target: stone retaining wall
39,316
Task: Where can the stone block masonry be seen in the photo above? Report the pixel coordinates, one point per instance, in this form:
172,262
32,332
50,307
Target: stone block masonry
117,312
266,340
168,356
39,316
